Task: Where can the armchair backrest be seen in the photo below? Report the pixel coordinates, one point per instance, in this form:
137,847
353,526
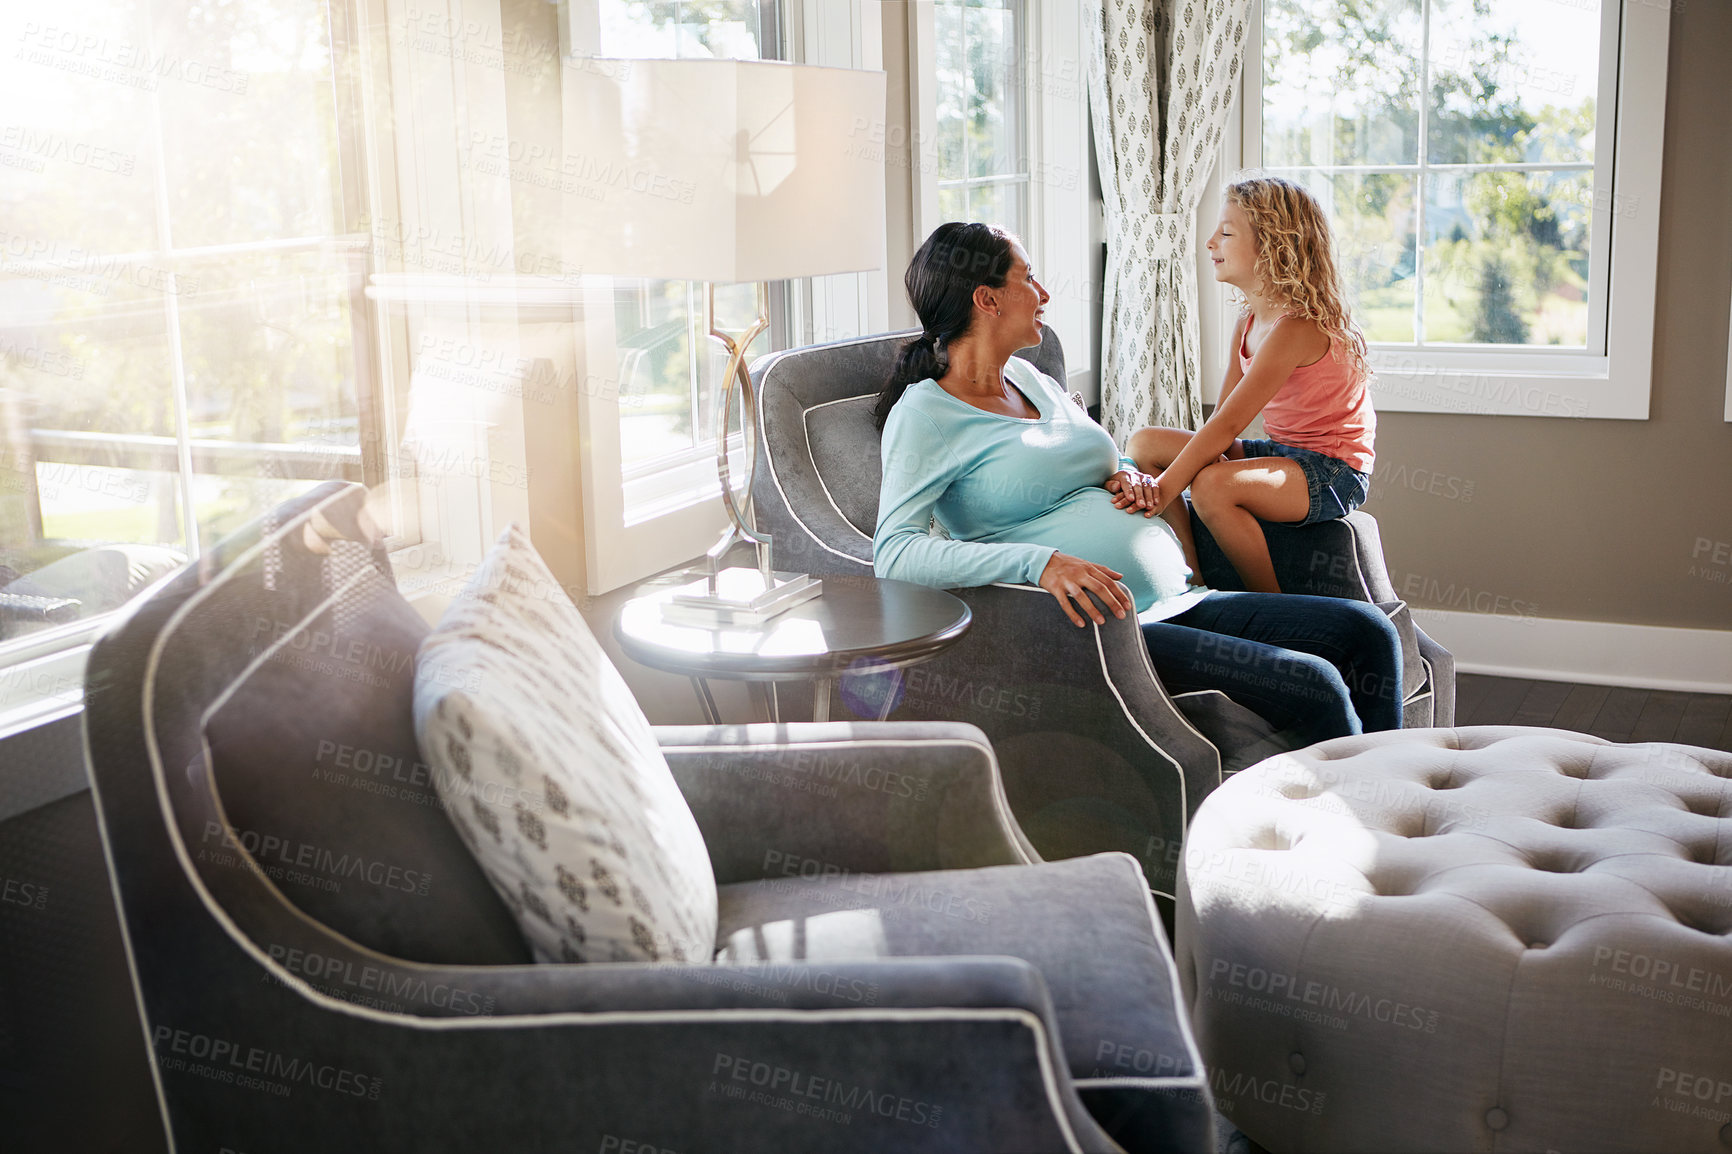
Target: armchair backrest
249,733
816,491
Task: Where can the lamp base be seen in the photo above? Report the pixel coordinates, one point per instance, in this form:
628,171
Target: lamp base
740,600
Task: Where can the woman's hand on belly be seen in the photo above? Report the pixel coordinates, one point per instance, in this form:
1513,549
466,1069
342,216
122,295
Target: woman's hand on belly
1067,577
1133,492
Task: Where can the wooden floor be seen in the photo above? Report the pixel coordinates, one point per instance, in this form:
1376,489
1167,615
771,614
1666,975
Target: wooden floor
1604,711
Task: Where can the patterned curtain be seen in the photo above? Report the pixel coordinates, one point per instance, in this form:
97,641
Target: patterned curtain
1161,76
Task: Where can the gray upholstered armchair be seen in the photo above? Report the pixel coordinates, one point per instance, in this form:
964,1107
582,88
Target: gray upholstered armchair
322,966
1095,754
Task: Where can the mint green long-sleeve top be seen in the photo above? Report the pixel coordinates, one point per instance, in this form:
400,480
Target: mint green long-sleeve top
1008,492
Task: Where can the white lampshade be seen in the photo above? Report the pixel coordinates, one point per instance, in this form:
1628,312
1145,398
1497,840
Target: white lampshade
722,170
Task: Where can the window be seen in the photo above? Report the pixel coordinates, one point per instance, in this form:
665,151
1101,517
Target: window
651,499
184,336
1491,173
982,145
999,112
668,366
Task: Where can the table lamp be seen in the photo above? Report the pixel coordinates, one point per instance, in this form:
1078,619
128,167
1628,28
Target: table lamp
726,171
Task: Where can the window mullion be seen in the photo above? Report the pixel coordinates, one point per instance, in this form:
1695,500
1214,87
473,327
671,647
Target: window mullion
1423,155
171,310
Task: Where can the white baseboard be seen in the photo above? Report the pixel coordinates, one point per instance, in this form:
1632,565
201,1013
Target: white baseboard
1593,652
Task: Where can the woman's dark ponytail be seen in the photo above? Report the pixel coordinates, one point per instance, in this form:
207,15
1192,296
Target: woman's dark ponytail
955,260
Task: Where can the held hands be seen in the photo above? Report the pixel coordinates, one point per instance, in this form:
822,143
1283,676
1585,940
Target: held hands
1134,492
1137,492
1066,578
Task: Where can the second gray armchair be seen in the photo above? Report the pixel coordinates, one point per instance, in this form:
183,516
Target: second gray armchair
1095,754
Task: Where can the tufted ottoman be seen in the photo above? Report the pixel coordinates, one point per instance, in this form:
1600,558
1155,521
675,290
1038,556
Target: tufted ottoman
1494,938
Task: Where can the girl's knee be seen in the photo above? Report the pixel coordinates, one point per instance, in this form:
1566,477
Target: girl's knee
1212,489
1145,443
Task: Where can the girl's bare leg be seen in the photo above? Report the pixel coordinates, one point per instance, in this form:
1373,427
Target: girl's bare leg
1179,518
1230,496
1155,448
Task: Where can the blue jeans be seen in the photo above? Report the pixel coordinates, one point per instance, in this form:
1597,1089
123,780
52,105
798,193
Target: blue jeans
1315,667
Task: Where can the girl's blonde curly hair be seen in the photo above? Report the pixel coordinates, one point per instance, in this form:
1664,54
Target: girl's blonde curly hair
1295,265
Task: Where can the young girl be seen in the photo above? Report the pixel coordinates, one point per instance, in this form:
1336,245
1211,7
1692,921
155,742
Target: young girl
1299,360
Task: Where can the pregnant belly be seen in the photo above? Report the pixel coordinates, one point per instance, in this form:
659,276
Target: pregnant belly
1086,525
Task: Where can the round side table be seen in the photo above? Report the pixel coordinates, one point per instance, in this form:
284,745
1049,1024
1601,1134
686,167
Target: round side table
857,625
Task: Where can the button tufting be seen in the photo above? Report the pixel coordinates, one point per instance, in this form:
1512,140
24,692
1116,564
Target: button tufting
1296,1062
1726,1134
1496,1118
1537,945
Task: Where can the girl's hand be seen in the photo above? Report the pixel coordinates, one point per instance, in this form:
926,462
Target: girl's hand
1159,496
1133,491
1066,578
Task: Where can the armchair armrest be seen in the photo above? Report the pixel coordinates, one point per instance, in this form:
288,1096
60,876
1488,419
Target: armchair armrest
1093,751
867,797
955,1054
1442,663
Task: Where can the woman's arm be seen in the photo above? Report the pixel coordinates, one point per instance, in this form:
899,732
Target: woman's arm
918,467
1241,401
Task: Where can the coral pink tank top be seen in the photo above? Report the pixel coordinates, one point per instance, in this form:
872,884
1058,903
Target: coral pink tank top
1322,408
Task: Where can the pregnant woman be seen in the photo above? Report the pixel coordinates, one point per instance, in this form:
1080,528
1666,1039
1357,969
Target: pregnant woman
1025,487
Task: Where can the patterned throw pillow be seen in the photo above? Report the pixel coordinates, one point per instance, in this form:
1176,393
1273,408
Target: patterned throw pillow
553,778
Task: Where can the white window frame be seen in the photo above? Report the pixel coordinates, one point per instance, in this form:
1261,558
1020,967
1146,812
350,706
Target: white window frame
1611,383
1054,76
42,673
626,541
1019,176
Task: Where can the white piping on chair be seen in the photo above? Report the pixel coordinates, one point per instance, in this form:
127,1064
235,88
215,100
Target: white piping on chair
775,478
1181,1012
295,982
1358,570
806,423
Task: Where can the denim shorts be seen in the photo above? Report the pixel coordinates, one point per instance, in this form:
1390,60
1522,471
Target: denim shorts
1337,488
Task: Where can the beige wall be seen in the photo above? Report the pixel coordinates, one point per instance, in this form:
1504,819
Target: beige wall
1599,520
